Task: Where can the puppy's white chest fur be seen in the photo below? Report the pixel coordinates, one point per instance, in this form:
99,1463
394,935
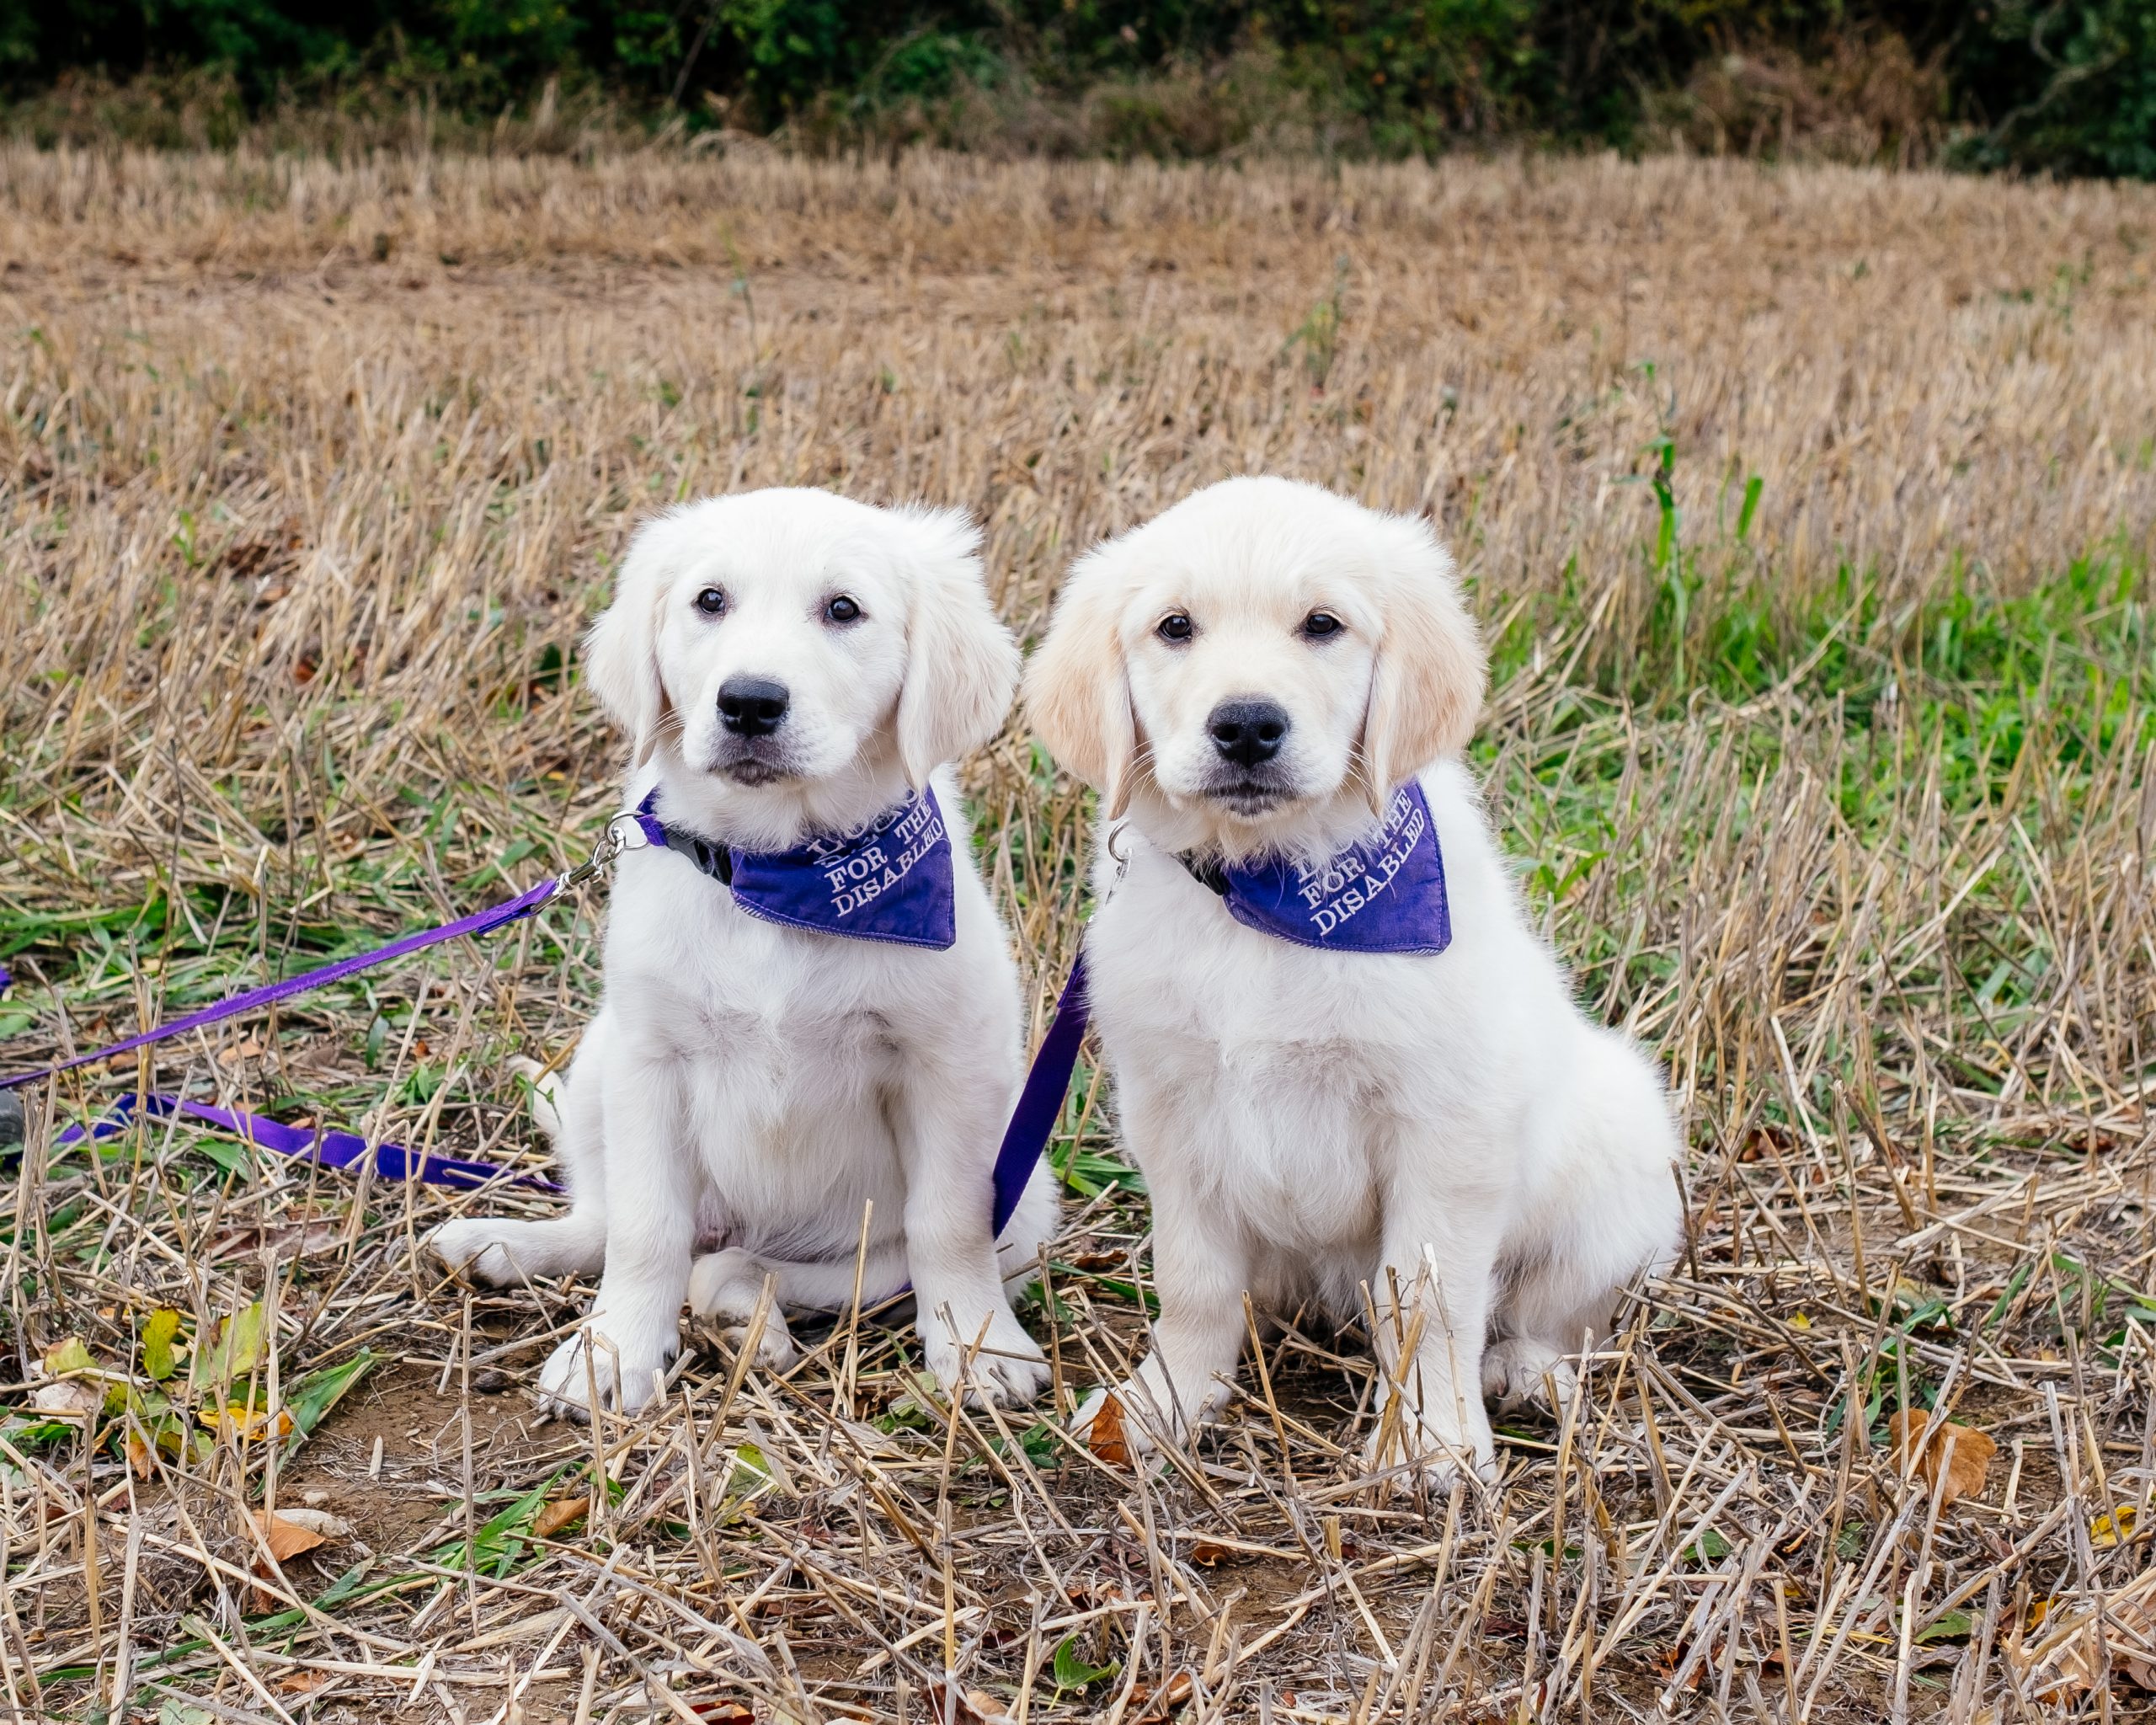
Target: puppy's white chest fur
785,1050
1287,1077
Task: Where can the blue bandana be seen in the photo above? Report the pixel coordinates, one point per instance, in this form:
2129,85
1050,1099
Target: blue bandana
889,880
1384,893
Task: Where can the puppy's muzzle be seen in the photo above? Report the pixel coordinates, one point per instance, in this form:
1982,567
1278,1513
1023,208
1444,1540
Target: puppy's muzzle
1247,732
753,707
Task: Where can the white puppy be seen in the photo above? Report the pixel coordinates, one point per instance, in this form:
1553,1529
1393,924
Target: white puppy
1247,679
790,666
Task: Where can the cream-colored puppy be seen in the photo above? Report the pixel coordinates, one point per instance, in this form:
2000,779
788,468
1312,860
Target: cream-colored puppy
792,668
1264,673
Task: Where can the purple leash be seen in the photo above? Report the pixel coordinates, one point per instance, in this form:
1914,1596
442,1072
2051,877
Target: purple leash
479,923
1040,1103
332,1150
1032,1121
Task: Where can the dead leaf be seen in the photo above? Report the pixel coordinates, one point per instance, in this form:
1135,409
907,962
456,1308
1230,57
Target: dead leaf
1155,1701
2068,1658
140,1457
2119,1524
71,1398
1669,1660
243,1424
1106,1438
1930,1447
282,1240
302,1682
1208,1556
250,1049
559,1514
972,1706
289,1532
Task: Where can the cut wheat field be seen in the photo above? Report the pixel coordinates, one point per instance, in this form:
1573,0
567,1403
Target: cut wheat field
1809,515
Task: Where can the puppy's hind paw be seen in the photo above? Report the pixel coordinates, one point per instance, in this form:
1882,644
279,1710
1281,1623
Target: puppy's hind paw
478,1247
1518,1372
545,1087
775,1348
727,1288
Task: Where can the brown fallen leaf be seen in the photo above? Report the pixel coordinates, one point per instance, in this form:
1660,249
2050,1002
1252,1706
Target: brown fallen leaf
70,1399
2068,1647
972,1706
1105,1438
1207,1555
559,1514
302,1682
1931,1447
1155,1701
304,1238
289,1532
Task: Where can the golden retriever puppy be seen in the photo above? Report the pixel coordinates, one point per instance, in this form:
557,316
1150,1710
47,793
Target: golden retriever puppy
810,1005
1350,1071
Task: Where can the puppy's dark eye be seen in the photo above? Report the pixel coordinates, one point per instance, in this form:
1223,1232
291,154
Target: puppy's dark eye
842,609
1174,627
1319,624
711,601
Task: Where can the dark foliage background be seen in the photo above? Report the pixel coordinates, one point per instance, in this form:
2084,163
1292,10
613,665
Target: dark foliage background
2061,85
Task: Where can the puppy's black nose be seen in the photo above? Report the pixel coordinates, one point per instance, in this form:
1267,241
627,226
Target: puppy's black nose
1247,732
752,706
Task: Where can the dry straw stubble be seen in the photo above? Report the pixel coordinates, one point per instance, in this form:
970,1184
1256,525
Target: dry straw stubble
1838,792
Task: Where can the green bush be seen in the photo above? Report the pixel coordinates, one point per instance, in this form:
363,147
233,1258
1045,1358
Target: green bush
2058,85
2063,84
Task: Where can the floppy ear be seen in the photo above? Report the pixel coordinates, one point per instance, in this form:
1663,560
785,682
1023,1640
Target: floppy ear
961,663
621,654
1426,693
1077,689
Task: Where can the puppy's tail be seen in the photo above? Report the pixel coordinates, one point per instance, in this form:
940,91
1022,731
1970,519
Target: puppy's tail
548,1099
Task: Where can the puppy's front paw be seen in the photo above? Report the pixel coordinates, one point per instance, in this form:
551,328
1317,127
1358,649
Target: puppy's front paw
624,1375
1438,1460
1114,1436
482,1247
1148,1414
1008,1368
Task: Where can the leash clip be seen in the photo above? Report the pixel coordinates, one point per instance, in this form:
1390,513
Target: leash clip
611,845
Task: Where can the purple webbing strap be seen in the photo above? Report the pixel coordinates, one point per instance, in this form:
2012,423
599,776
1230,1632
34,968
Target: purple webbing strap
332,1150
1025,1139
1040,1103
479,923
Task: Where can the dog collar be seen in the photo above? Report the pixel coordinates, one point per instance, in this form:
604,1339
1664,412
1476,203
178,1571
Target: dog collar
890,880
1383,893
